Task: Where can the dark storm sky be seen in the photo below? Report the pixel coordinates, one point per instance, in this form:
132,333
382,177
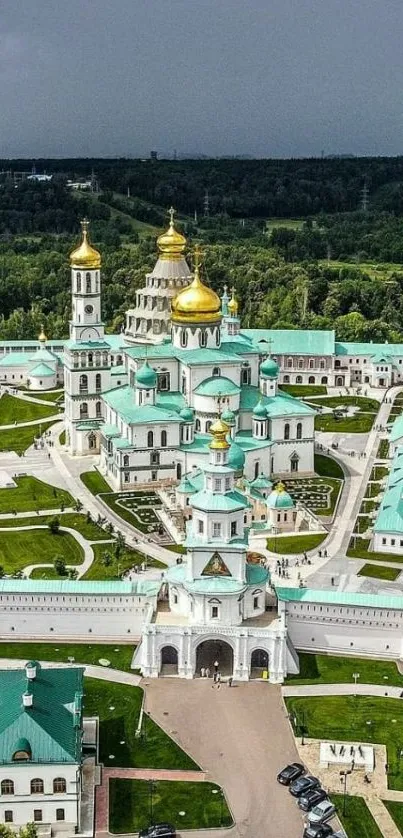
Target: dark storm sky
260,77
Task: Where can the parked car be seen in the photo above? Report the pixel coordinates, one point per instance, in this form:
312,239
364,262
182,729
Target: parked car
303,784
318,830
311,798
159,830
322,812
290,773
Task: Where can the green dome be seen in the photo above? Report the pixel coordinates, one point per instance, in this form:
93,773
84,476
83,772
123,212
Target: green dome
228,416
187,414
146,377
236,457
261,482
260,411
280,499
186,487
269,368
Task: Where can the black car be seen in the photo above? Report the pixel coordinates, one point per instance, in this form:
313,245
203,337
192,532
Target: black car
318,830
303,784
311,798
159,830
290,773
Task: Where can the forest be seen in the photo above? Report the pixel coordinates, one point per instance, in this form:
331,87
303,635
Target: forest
291,268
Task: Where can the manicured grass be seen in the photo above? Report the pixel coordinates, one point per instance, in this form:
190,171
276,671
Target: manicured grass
25,547
128,558
360,551
327,467
335,669
344,718
362,523
13,409
377,572
45,573
31,494
118,707
120,656
368,506
358,821
295,543
360,423
373,490
94,481
378,472
383,449
176,548
396,812
51,396
75,520
365,405
320,494
19,439
202,809
304,389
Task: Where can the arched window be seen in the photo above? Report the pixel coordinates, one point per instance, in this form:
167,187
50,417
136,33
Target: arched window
84,410
208,425
119,360
286,379
245,374
97,359
216,371
37,786
337,364
203,338
289,363
83,384
98,410
98,382
125,461
324,379
150,439
105,358
298,379
163,439
299,430
78,285
322,363
90,359
197,425
300,363
217,337
286,431
83,359
59,785
88,283
7,787
92,441
97,282
184,337
257,469
311,379
311,364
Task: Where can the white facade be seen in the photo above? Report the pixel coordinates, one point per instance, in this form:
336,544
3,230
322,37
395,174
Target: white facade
59,810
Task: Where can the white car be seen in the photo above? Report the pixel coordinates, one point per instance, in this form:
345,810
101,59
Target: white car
322,812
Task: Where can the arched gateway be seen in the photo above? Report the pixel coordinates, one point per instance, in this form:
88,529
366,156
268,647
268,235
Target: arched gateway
210,651
259,662
169,660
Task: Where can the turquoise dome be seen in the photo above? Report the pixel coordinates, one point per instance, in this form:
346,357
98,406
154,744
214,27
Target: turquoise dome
280,499
187,414
146,377
228,416
260,410
236,457
269,368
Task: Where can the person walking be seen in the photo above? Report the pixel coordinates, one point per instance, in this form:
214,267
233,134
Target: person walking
230,681
216,667
207,672
203,672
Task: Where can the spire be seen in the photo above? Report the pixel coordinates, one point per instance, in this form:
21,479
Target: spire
233,304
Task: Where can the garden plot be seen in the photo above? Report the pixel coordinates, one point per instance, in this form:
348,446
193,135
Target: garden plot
142,510
319,494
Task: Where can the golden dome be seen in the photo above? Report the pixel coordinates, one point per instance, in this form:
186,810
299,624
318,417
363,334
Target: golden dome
233,304
171,244
85,256
42,337
219,430
196,303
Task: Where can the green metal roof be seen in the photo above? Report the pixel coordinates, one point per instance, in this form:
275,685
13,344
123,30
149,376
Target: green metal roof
216,386
50,730
120,369
109,430
280,500
397,429
292,341
269,368
261,482
282,404
15,359
90,425
333,597
228,502
87,344
191,357
76,586
384,349
44,354
255,575
121,400
41,371
172,401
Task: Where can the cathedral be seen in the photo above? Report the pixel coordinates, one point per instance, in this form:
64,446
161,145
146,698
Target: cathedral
146,400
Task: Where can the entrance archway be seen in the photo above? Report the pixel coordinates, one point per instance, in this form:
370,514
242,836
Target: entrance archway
210,651
259,662
169,661
339,381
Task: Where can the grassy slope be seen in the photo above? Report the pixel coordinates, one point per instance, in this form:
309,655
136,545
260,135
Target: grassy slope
75,520
94,481
32,494
21,548
295,543
19,439
13,409
327,467
396,812
128,559
376,572
335,669
120,656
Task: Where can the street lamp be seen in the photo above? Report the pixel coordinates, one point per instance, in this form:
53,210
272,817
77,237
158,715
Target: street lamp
356,675
343,778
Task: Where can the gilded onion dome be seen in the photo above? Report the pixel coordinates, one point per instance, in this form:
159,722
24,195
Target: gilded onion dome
196,303
219,431
171,244
42,337
233,305
85,256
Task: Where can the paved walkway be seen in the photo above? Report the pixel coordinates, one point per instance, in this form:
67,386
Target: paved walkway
382,817
104,673
14,426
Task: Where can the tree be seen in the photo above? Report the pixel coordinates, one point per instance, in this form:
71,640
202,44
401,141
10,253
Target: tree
106,559
78,505
59,565
54,526
1,572
119,546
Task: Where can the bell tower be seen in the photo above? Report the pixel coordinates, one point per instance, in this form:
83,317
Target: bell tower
85,264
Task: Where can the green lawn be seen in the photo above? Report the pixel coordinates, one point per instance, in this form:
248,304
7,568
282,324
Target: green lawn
128,558
202,805
378,472
396,812
328,467
51,396
75,520
360,551
46,573
345,718
94,481
377,572
304,389
383,449
358,821
120,656
31,494
334,669
13,409
295,543
320,494
19,439
373,490
176,548
362,523
365,405
118,707
368,506
25,547
360,423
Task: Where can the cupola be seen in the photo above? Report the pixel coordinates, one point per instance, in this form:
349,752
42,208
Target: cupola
171,244
146,377
269,368
197,303
85,257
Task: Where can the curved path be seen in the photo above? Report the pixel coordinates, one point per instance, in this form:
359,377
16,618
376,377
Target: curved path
51,418
86,546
